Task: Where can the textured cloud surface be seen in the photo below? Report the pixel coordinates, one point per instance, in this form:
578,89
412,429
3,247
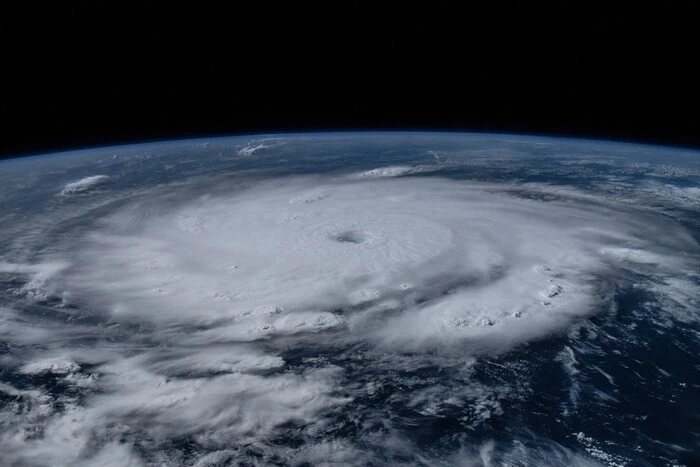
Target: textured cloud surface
84,184
211,313
433,261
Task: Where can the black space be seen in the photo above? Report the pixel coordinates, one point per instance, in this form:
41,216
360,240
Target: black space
83,74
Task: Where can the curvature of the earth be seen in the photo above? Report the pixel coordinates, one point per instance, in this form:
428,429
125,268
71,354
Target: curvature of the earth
351,299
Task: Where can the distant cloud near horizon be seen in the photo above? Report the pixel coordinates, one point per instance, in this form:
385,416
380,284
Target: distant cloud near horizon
83,185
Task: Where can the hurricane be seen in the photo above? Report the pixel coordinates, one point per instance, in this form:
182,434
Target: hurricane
347,301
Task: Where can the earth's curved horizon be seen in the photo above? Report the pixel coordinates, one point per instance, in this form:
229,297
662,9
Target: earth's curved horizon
398,298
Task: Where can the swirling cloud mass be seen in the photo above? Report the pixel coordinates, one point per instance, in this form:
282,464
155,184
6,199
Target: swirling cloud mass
265,320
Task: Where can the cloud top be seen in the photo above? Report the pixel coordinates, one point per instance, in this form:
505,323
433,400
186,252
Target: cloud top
228,318
435,261
83,185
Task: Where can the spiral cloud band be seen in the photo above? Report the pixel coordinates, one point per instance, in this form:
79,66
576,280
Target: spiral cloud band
212,312
401,262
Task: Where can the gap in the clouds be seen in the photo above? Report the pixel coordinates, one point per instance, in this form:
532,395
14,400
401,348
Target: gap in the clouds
610,351
431,433
473,417
12,283
544,402
350,236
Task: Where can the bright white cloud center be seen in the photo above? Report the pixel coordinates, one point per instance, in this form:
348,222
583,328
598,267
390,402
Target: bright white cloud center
401,262
194,302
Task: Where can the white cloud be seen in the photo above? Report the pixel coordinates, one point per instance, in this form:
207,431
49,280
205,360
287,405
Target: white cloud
189,309
471,251
56,365
256,145
83,185
392,171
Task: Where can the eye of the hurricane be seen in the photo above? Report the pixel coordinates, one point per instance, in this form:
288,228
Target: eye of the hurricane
350,236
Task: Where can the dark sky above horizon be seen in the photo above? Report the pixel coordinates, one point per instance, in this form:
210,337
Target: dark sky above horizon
82,74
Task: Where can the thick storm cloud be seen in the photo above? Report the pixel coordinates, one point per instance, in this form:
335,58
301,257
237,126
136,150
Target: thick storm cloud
199,302
401,262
